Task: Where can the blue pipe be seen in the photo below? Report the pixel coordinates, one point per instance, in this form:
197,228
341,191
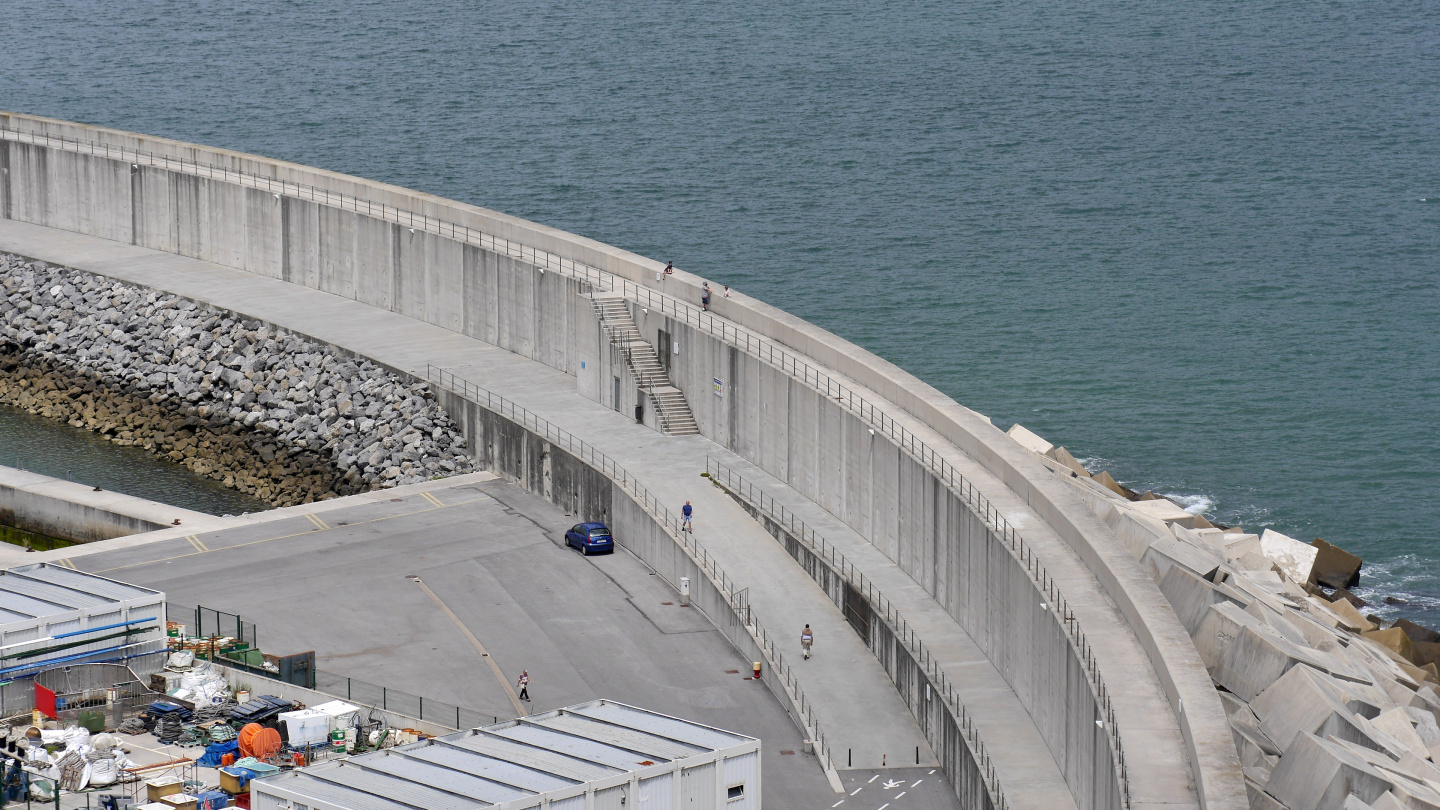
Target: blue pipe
39,665
106,627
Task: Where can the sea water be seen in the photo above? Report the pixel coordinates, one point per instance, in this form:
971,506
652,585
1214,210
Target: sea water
1198,244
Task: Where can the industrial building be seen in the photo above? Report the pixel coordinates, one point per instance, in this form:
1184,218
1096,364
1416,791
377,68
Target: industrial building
600,755
51,615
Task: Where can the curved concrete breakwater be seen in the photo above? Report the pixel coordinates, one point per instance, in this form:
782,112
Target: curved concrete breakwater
1048,670
274,415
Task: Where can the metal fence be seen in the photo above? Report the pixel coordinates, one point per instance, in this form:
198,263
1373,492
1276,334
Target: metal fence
762,348
879,605
365,693
735,598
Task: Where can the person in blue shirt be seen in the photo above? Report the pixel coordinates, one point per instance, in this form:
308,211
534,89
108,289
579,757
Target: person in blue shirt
685,518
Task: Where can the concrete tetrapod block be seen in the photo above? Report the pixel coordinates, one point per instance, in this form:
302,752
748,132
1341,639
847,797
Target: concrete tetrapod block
1104,479
1426,728
1411,790
1352,802
1168,551
1028,440
1316,774
1334,566
1304,701
1190,596
1294,557
1426,652
1161,509
1253,561
1354,621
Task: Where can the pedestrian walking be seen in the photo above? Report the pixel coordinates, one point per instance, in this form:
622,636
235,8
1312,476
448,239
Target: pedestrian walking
524,684
705,296
685,514
807,638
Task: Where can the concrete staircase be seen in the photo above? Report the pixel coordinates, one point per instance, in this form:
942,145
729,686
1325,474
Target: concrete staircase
644,364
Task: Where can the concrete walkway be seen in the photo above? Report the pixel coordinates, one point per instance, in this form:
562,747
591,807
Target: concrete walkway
858,708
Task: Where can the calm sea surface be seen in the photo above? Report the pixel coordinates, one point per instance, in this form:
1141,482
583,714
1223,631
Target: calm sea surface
1198,244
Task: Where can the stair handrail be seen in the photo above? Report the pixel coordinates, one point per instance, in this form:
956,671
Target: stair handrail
645,379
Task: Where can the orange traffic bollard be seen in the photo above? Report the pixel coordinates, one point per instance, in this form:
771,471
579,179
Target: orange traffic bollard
756,668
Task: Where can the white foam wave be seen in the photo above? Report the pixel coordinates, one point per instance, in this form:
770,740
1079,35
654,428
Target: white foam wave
1194,504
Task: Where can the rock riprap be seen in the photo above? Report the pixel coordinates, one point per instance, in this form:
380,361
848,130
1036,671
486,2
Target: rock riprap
1327,710
268,413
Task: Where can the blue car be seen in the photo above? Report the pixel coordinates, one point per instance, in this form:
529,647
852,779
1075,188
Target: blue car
590,538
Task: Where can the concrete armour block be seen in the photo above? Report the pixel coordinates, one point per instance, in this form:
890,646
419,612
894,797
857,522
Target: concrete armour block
1410,791
1190,596
1256,659
1259,799
1352,802
1239,546
1168,551
1257,752
1218,630
1394,640
1353,620
1278,622
1063,456
1334,567
1294,557
1316,774
1253,561
1417,632
1138,532
1387,801
1028,440
1305,701
1397,723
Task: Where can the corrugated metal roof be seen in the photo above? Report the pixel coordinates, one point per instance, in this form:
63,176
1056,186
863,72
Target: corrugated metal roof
399,763
496,770
305,784
516,760
655,746
35,591
90,583
352,773
531,757
582,747
672,727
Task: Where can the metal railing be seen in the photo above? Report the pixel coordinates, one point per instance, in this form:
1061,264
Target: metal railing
912,445
854,578
645,380
543,259
736,598
764,349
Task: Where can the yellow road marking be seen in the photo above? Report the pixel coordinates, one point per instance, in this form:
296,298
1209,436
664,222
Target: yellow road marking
322,525
278,537
67,564
195,541
431,498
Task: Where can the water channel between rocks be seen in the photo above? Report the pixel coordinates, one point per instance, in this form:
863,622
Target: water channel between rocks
55,449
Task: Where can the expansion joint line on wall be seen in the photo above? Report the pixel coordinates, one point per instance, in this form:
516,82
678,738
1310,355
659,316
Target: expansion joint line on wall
736,600
833,559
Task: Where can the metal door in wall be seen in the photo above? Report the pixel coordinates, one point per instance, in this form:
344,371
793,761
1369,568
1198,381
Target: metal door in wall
616,403
663,347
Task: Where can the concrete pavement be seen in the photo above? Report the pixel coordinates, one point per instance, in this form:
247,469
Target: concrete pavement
857,706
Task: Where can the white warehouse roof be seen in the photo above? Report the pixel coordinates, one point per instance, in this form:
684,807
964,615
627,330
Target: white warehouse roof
35,591
616,751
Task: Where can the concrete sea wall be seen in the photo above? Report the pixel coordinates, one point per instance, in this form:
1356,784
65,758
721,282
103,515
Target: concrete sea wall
44,505
270,414
522,286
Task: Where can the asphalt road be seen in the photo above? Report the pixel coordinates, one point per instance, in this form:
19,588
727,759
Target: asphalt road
584,627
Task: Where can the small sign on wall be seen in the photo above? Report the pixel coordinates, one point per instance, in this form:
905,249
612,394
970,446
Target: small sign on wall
719,387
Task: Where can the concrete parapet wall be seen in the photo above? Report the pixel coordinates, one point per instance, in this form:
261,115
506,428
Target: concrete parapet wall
351,247
44,505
